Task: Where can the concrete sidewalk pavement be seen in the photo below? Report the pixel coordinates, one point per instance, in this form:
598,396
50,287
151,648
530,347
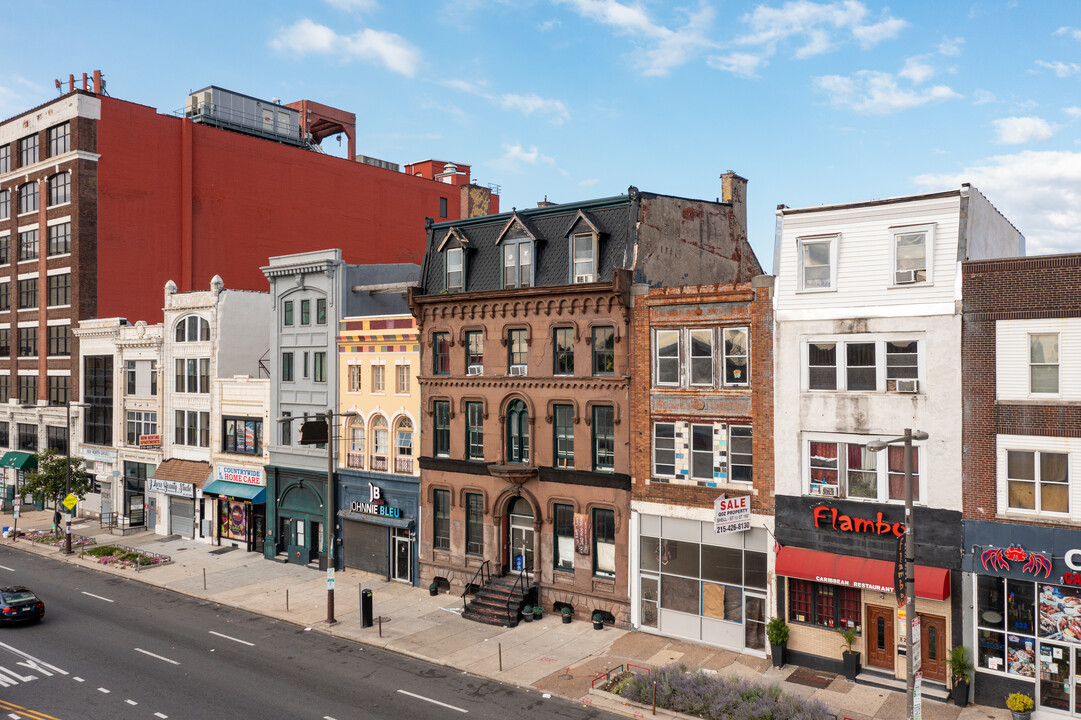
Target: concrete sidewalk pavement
547,655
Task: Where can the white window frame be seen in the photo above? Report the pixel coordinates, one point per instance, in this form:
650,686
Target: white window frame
518,243
1069,446
831,242
401,377
718,357
928,257
653,450
1037,482
731,454
379,379
455,257
1057,364
356,378
593,259
881,468
691,452
841,342
657,358
690,332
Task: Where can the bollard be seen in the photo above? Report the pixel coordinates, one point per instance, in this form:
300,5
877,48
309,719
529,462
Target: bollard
286,599
380,626
204,578
500,657
654,697
366,608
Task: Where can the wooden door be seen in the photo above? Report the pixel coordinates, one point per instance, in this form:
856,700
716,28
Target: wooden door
933,647
880,637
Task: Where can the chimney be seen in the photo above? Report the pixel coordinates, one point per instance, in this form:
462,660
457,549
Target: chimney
545,203
734,192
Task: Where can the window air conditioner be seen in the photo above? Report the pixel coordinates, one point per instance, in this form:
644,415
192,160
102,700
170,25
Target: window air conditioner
474,370
827,490
583,279
904,277
908,386
517,369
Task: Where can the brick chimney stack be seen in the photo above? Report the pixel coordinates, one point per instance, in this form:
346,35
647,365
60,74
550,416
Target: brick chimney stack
734,192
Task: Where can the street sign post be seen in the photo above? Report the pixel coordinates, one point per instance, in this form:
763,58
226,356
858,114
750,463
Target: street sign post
917,697
917,648
70,501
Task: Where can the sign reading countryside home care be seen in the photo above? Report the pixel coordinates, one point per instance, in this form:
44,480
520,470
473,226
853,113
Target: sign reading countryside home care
244,476
732,514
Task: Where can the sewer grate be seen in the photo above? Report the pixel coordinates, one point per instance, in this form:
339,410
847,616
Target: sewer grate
222,551
168,538
811,678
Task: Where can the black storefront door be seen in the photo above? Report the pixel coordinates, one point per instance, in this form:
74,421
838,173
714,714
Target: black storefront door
365,547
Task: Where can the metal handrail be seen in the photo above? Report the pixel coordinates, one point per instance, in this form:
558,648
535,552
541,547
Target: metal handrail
486,577
520,579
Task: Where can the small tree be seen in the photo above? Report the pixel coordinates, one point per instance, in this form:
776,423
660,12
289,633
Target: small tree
50,480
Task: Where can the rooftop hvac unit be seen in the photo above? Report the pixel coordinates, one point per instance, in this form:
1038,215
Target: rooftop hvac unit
517,369
904,277
908,386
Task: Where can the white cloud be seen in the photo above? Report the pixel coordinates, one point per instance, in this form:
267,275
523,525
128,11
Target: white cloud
1040,193
815,28
983,97
950,47
514,157
1069,32
550,24
664,48
1073,112
388,49
1061,69
877,93
588,182
1017,130
354,5
467,87
742,64
20,94
533,103
916,71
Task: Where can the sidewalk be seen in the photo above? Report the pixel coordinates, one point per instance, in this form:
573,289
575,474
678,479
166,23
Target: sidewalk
546,655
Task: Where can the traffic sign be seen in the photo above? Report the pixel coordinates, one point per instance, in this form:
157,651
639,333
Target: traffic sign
70,501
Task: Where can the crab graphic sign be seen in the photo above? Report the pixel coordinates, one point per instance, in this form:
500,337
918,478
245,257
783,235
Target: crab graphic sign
1000,559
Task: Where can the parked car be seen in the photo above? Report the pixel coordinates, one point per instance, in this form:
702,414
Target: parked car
20,604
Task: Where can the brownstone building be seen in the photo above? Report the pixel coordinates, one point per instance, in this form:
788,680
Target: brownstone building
526,378
1021,355
701,428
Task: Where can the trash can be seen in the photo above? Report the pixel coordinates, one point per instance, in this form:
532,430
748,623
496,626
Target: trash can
365,608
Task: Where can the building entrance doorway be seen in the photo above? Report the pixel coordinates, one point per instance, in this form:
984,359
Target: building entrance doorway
520,536
880,637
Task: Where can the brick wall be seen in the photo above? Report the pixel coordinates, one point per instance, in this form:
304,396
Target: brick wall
1020,288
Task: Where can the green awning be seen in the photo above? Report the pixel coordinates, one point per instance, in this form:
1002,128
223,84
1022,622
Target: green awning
19,460
224,488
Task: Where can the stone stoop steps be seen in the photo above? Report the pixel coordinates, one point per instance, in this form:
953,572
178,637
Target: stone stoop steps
876,678
489,603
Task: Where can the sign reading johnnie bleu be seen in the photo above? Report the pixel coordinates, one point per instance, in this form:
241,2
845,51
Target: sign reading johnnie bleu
376,505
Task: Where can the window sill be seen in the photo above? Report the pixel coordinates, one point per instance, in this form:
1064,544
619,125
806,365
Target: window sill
1064,519
58,205
53,256
809,291
563,577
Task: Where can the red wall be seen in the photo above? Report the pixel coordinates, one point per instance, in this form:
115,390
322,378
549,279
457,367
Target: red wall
250,199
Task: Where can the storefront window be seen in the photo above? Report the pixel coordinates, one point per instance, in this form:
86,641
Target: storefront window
649,602
1008,605
829,606
234,519
563,551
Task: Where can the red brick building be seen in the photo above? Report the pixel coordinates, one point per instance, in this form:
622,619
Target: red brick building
1021,357
102,201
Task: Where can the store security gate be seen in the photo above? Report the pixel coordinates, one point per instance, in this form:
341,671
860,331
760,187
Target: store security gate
182,516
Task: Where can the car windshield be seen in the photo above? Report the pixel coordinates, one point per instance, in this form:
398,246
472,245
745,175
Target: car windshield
18,596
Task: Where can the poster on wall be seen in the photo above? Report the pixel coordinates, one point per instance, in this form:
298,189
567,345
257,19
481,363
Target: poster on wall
233,519
581,533
1060,613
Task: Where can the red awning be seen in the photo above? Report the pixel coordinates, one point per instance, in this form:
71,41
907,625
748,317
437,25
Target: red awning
931,582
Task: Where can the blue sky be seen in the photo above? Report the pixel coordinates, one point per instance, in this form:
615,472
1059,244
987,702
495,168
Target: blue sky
813,102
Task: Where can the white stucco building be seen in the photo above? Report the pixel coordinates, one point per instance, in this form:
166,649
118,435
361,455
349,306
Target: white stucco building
867,343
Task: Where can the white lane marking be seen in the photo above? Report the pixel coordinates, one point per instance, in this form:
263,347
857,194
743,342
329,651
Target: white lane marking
78,679
242,642
103,690
160,715
32,663
13,716
131,702
327,717
434,702
159,657
98,597
5,567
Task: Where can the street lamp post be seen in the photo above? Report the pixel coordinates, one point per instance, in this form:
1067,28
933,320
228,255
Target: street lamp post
67,477
910,558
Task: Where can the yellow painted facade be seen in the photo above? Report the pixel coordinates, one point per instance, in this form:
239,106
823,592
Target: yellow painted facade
379,363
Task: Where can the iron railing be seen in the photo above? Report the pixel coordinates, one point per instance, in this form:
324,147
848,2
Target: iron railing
485,574
354,460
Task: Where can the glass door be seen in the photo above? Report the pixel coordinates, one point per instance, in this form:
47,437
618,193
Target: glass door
521,543
403,556
1056,677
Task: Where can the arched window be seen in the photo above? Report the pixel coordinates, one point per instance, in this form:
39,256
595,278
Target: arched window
192,329
380,443
518,433
356,443
403,446
59,189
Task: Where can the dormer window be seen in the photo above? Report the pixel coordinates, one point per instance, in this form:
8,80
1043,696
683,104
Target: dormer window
912,247
518,263
192,329
584,260
455,270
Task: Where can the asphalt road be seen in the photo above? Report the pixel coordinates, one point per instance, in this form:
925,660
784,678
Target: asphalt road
110,648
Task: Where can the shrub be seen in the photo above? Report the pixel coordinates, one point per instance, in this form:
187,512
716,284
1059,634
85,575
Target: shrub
714,697
1019,702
